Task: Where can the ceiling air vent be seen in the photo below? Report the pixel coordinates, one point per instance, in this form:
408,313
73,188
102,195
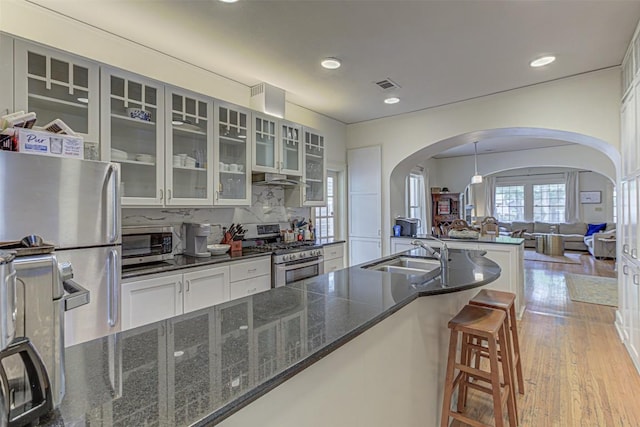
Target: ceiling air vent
387,84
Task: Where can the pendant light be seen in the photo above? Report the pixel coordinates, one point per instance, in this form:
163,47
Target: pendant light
476,179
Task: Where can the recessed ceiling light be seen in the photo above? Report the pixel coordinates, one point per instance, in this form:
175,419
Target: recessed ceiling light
392,100
228,1
331,63
541,62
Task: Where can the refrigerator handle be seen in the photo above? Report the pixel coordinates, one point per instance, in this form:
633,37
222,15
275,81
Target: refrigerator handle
112,174
112,288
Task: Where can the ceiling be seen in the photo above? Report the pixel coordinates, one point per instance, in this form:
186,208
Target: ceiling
439,52
501,145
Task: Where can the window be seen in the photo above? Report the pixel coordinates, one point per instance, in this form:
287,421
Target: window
325,226
548,202
509,203
416,198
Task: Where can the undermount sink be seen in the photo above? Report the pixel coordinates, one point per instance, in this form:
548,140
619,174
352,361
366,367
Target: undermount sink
423,269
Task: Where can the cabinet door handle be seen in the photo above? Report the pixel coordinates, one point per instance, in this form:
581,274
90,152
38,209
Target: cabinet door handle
169,194
216,195
252,270
634,253
161,194
179,287
635,280
625,248
625,270
188,285
251,291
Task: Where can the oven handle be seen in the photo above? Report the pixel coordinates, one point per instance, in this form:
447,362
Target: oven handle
292,266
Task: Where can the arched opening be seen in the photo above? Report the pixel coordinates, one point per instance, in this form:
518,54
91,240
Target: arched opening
562,150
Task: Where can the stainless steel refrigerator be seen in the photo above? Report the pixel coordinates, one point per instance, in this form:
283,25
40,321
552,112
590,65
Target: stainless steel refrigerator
74,205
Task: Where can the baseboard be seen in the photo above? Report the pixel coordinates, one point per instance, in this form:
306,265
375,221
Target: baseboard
619,324
635,360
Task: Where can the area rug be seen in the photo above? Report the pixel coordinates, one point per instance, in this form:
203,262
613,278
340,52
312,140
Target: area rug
592,289
567,258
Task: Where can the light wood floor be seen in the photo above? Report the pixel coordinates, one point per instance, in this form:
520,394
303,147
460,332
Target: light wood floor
576,370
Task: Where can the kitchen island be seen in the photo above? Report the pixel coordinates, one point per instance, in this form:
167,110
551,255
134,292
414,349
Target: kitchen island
353,347
507,252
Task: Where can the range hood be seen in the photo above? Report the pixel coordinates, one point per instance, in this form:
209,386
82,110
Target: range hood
274,179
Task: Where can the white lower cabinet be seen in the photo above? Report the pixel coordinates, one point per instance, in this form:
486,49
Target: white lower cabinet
205,288
161,296
151,299
333,257
250,277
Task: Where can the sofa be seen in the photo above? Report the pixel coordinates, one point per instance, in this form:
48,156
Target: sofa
573,233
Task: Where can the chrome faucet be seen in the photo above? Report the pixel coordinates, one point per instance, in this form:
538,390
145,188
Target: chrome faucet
442,256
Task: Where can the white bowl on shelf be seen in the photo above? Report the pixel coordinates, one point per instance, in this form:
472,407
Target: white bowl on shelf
218,249
118,155
146,158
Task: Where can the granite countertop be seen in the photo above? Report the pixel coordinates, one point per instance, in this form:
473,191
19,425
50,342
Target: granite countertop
201,367
180,262
503,240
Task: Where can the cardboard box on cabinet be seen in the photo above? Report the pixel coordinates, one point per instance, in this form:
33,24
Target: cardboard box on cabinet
49,144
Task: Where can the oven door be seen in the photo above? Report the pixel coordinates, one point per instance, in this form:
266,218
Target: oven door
290,272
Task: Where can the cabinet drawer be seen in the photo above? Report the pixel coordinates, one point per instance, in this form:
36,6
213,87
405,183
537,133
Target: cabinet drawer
249,269
334,251
254,285
333,265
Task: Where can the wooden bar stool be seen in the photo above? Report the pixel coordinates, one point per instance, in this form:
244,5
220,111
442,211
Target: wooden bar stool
505,301
478,323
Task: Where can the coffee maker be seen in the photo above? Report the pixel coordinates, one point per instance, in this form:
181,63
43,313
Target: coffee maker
25,376
195,239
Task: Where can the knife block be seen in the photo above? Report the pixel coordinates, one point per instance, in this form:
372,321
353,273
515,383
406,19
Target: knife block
236,245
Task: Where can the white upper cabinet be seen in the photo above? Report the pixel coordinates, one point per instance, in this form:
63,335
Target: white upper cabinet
56,85
276,146
628,131
313,191
290,148
232,181
315,171
136,138
189,148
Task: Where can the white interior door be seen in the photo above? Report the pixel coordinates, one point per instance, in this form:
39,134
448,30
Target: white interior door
365,204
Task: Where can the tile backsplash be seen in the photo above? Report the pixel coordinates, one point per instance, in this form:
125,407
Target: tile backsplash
267,206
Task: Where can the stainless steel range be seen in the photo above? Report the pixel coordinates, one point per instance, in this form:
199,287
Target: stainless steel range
291,261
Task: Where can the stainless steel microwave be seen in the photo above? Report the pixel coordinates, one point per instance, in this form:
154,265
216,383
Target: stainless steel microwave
143,244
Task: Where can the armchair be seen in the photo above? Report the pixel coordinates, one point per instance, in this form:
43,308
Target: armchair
602,244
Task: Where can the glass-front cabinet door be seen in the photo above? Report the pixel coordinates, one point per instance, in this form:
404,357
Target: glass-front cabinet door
265,141
232,180
315,174
55,85
189,148
290,148
133,122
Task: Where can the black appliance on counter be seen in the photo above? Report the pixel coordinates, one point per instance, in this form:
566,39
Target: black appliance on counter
408,226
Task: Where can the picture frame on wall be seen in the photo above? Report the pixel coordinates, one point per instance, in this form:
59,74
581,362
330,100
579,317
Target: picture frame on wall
590,197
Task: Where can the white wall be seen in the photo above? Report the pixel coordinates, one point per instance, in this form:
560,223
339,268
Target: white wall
455,172
33,22
584,108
